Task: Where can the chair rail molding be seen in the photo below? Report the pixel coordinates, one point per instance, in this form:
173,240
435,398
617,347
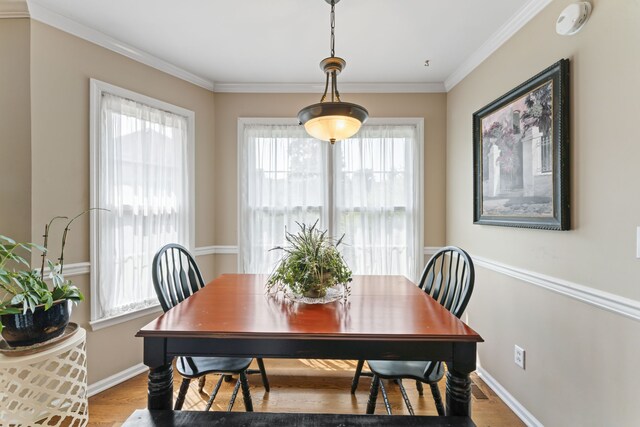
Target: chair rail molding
74,269
216,250
607,301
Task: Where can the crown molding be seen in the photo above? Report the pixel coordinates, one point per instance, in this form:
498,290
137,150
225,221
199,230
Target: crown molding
42,14
504,33
10,9
20,9
318,88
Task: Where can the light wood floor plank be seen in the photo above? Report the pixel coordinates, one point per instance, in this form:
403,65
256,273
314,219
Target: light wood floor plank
298,385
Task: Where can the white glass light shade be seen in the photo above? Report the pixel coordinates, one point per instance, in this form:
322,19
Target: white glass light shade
332,128
332,121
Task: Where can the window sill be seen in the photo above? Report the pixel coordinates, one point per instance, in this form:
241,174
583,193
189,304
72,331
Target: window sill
115,320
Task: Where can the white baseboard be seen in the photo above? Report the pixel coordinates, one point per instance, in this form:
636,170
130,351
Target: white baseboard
116,379
522,413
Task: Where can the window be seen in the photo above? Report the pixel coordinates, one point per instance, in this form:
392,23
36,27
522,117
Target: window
141,172
368,187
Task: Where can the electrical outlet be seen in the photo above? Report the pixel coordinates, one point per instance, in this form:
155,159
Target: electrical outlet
518,356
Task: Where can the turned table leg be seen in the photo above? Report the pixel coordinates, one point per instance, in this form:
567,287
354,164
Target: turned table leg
160,384
458,380
160,388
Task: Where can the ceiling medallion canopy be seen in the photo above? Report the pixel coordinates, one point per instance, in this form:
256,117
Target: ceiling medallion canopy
332,120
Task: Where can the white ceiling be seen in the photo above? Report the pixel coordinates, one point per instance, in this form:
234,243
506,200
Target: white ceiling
283,41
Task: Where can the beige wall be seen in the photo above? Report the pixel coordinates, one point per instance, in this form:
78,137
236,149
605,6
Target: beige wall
15,128
581,360
61,66
229,107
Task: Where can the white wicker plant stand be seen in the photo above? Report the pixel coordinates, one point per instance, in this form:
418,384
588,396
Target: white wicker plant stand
47,388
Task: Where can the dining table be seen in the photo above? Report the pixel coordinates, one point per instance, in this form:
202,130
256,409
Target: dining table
381,318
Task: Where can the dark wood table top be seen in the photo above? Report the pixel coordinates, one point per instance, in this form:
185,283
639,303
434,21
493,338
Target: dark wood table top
379,307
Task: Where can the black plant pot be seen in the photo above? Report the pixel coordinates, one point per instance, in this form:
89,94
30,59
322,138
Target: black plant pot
37,326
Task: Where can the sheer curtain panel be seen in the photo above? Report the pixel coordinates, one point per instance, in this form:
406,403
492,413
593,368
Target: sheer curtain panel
368,187
377,200
143,179
283,180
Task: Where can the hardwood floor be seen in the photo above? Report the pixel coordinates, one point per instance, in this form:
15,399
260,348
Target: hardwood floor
298,385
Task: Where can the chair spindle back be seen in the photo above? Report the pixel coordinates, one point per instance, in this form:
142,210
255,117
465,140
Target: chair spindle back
175,275
449,277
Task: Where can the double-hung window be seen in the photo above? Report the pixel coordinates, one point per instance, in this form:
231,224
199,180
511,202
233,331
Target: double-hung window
368,187
141,172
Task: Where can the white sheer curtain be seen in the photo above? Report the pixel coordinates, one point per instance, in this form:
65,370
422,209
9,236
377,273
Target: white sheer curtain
143,181
377,200
283,179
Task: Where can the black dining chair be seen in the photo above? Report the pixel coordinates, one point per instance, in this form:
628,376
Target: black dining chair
448,278
176,276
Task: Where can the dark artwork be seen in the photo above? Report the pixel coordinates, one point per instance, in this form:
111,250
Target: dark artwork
521,154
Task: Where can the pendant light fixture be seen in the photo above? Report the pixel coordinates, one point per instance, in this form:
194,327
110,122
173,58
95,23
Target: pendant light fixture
332,120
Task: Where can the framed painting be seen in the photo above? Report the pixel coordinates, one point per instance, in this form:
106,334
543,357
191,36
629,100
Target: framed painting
521,154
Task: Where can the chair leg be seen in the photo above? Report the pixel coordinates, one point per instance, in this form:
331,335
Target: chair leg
403,391
214,393
420,389
201,382
246,395
263,374
437,398
356,377
182,393
385,398
373,394
233,395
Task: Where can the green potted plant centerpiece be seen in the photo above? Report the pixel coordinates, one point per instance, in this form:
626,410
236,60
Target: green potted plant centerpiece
311,264
32,310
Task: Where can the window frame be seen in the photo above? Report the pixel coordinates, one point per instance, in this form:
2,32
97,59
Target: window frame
97,88
418,122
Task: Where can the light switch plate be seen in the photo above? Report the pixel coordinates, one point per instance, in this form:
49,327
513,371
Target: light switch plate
638,242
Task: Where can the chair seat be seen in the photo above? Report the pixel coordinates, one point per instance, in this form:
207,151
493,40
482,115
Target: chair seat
391,369
193,367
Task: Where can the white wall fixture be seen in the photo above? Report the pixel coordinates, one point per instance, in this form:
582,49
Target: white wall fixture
573,18
518,356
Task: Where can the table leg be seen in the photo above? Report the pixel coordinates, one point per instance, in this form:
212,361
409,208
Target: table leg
160,384
458,394
160,388
458,380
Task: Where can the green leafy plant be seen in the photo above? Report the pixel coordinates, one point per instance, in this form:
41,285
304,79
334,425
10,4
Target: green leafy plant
311,264
26,288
